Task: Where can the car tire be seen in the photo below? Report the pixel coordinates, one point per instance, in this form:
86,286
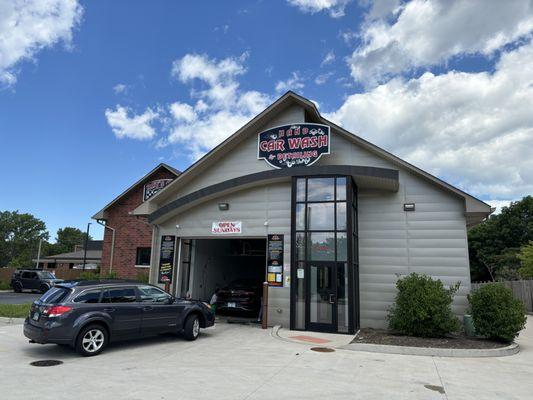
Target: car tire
17,287
191,329
92,340
43,289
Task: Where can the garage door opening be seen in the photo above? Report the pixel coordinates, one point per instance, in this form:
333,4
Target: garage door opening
234,269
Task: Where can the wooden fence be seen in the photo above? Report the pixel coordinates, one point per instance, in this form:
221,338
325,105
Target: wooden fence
522,290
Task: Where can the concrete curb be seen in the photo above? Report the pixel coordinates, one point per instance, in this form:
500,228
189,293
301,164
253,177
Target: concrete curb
11,321
434,352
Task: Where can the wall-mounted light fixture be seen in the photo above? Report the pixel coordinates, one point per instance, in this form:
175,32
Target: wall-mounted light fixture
409,207
223,206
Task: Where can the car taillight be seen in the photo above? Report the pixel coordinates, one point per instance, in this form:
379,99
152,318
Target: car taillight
56,311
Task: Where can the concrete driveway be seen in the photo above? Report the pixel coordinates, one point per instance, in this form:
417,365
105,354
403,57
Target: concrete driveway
245,362
10,297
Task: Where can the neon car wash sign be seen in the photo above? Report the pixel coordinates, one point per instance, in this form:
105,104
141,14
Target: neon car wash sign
293,145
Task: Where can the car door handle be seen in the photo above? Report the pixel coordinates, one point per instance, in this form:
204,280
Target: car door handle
148,308
109,309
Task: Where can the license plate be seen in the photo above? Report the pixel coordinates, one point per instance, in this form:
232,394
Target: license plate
231,305
35,316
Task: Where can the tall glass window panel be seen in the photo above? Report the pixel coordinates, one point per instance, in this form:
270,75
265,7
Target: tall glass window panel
321,246
321,189
300,189
300,246
300,296
342,246
341,188
343,314
341,216
321,216
300,217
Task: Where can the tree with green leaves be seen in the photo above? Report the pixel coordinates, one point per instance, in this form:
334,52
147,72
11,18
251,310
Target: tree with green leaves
67,238
526,259
19,238
495,243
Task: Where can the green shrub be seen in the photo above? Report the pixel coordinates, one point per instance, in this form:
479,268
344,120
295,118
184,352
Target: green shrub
423,307
4,285
90,275
143,277
496,313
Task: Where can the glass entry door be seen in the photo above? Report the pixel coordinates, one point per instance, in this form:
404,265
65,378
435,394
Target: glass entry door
322,297
324,278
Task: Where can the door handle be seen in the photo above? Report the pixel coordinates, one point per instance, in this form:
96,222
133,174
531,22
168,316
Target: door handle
331,299
109,309
147,308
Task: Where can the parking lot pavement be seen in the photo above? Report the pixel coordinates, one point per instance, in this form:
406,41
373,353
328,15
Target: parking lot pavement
246,362
9,297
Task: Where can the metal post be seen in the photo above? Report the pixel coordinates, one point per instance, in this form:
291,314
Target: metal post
38,254
264,316
85,247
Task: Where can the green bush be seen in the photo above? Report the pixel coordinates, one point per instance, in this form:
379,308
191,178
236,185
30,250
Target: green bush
89,275
423,307
496,313
4,285
143,277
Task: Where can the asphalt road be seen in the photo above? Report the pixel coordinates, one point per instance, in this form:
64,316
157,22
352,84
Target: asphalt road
18,298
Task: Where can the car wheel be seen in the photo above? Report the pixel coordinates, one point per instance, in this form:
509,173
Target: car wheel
91,340
17,287
191,330
43,288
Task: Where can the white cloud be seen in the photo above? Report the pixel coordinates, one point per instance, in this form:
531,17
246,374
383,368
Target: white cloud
335,8
120,88
328,59
134,127
474,130
422,33
295,82
221,107
323,78
499,204
182,112
29,26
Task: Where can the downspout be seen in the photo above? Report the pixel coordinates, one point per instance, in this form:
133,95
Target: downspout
102,222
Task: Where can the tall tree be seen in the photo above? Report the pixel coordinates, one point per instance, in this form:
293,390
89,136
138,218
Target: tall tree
19,238
495,243
67,238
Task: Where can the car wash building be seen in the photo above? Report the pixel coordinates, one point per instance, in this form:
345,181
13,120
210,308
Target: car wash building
328,219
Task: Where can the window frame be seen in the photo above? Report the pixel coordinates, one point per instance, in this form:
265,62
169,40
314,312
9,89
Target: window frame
138,264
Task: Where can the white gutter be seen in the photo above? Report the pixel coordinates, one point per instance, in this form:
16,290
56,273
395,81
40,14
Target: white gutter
101,222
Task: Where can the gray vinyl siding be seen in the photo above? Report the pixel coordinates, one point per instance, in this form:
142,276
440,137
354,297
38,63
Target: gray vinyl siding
253,207
392,243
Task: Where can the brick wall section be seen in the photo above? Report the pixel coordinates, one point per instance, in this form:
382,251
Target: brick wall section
130,231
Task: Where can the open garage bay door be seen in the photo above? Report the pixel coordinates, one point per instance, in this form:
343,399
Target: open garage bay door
232,268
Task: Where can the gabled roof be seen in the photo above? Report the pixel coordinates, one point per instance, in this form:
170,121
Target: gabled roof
100,214
476,208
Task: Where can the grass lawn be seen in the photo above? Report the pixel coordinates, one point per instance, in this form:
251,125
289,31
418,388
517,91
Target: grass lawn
14,310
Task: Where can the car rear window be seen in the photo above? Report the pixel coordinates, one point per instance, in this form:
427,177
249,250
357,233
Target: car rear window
119,295
91,296
55,295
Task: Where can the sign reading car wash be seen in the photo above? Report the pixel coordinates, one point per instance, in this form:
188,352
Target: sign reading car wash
152,187
293,145
226,228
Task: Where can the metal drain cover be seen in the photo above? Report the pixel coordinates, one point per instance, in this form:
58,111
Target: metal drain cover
323,349
46,363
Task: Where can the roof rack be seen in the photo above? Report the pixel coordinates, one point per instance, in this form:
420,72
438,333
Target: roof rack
89,282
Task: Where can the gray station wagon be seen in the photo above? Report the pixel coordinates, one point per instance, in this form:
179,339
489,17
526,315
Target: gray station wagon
87,315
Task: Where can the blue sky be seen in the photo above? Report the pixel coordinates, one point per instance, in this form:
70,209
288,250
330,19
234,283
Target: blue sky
94,94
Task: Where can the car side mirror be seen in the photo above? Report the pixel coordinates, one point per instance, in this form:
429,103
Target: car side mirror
170,299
